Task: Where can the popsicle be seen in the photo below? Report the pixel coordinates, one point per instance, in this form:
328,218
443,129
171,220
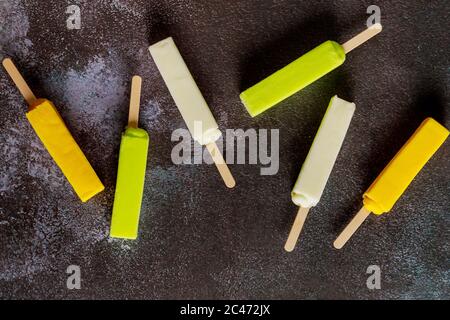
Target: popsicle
50,128
131,172
190,102
398,175
301,73
319,163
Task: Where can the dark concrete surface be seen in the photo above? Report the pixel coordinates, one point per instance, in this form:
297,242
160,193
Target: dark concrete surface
197,239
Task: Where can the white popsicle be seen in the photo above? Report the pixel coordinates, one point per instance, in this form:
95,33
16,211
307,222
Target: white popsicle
319,163
185,92
190,102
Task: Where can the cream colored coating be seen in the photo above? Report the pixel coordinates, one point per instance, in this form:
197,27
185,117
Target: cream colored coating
185,92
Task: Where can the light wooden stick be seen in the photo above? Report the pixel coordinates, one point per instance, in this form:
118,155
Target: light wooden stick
221,165
296,229
135,100
362,37
19,81
356,222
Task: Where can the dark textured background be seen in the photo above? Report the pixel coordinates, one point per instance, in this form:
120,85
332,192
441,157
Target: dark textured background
197,239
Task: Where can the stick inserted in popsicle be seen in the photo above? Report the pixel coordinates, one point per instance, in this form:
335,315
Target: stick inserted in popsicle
301,73
190,102
389,186
319,163
296,229
50,128
131,172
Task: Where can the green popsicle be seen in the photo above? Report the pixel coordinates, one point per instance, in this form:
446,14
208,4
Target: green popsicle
131,173
301,73
294,77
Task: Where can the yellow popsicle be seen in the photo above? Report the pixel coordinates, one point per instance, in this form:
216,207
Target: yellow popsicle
51,129
400,172
389,186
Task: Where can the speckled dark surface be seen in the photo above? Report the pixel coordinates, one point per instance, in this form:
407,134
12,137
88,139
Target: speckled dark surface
197,239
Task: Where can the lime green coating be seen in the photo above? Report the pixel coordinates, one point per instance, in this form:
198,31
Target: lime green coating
130,184
293,78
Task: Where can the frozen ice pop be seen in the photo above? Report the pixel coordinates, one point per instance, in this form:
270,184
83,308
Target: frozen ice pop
389,186
320,162
50,128
190,102
131,172
301,73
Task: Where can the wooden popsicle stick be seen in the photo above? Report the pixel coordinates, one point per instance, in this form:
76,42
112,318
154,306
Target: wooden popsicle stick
19,81
296,229
221,165
362,37
135,100
351,228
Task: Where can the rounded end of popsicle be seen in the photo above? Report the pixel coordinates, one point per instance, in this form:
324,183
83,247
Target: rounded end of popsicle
136,133
339,51
303,200
373,206
244,101
36,103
